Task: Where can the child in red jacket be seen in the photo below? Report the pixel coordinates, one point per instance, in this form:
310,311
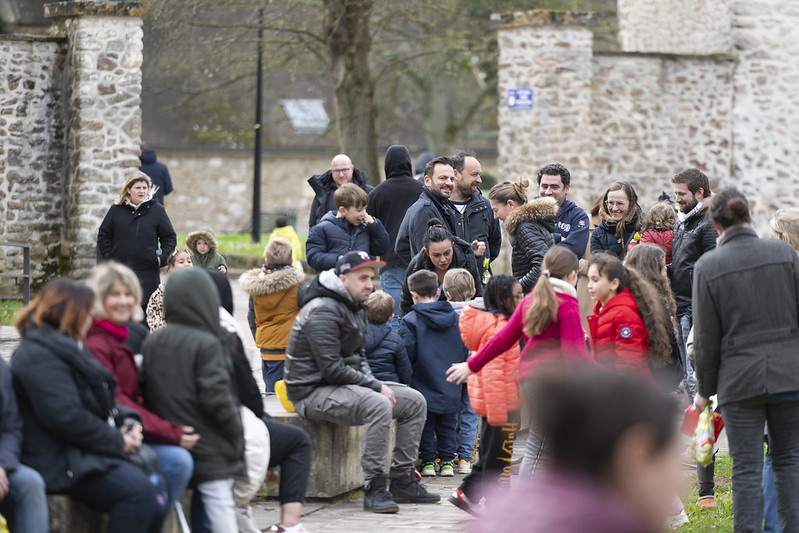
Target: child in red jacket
628,326
658,228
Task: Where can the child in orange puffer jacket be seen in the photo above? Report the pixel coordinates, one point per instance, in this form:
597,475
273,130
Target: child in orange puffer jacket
493,392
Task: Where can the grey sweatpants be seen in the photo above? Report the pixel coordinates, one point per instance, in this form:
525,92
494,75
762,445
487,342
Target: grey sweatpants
353,405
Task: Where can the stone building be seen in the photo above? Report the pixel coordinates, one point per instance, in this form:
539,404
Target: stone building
712,84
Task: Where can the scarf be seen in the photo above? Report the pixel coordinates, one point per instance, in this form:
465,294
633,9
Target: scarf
119,333
682,217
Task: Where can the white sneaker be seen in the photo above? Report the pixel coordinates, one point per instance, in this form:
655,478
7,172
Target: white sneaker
464,467
244,521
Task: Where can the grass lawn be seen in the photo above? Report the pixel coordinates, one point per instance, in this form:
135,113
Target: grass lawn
721,518
237,243
7,316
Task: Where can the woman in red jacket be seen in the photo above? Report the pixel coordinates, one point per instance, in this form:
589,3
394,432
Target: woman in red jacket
628,326
117,293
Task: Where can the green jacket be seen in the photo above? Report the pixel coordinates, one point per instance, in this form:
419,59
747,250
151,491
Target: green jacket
188,375
209,261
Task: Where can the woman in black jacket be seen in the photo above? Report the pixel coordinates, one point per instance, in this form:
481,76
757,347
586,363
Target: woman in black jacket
73,433
132,230
621,219
442,251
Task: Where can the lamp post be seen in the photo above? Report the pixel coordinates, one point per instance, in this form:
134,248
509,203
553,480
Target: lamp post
256,185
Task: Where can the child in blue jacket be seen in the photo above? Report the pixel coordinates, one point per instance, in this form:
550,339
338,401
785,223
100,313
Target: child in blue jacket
385,352
348,229
433,342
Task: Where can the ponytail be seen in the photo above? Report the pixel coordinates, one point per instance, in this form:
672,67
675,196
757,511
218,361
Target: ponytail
559,262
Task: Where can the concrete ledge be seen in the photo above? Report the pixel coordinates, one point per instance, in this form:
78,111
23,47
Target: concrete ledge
526,19
101,8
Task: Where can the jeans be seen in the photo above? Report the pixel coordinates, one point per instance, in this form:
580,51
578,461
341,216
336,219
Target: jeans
291,451
391,278
176,466
272,372
27,493
685,323
126,494
744,421
353,405
771,521
705,475
438,437
467,427
493,468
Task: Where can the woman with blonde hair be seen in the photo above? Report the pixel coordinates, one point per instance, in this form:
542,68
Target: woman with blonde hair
785,226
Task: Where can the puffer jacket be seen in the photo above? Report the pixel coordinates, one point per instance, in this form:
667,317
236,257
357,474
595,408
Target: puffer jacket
188,375
619,339
386,354
323,187
531,226
334,236
463,258
493,392
325,346
276,302
210,261
604,237
661,238
693,238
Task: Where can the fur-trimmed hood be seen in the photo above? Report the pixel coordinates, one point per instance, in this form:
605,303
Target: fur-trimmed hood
206,234
544,210
258,282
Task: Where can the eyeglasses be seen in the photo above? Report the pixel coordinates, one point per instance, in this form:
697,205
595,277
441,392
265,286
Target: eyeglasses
340,170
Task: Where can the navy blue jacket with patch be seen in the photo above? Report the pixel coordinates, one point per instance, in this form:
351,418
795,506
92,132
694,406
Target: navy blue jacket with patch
571,229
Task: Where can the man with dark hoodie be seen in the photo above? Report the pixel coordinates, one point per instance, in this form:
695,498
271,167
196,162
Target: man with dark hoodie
324,185
158,173
328,378
389,202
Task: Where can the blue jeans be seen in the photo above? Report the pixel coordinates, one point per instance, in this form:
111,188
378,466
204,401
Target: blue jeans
27,493
438,437
772,523
685,322
176,466
467,427
272,372
391,279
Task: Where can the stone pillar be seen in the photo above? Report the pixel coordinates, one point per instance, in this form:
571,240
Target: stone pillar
549,53
104,59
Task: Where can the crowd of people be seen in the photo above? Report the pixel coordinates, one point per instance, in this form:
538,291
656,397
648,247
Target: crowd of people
610,320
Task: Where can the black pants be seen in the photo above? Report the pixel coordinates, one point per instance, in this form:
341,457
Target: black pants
291,450
493,467
705,474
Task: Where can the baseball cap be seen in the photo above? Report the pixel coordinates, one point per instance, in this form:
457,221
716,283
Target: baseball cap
354,260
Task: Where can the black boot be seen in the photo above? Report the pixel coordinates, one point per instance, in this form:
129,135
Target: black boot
406,489
377,498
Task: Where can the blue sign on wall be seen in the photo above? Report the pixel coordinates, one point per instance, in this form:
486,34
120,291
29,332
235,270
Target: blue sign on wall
520,98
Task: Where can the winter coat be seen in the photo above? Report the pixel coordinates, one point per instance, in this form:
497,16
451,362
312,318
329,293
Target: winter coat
386,354
433,342
693,238
462,258
746,318
154,313
572,229
410,239
605,239
334,236
276,303
326,343
10,422
531,227
563,339
618,336
188,375
661,238
65,399
477,223
390,200
493,392
159,175
209,261
323,187
107,344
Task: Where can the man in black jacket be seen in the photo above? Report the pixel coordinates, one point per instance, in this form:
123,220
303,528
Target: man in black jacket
324,185
389,202
328,378
159,175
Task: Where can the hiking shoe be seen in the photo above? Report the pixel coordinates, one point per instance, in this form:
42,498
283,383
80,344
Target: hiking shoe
428,469
447,469
377,498
459,500
707,503
464,467
406,489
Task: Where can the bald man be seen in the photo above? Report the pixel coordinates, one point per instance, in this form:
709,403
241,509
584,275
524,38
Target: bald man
324,185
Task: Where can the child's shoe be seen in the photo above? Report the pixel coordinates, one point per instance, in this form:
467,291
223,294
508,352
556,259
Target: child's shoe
428,469
459,500
464,467
447,469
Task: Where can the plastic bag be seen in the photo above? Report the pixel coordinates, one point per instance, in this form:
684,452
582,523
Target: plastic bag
704,437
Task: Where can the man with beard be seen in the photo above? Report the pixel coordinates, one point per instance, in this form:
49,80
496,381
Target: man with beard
439,181
475,218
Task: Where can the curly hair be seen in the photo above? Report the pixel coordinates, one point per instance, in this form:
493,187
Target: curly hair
661,217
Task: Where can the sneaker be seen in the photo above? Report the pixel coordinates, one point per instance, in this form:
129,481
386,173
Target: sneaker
459,500
296,529
428,469
377,498
464,467
707,503
406,489
446,469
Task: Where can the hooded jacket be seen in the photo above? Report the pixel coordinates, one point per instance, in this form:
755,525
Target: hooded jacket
10,422
531,227
334,236
326,343
390,200
188,375
433,342
693,238
323,186
477,223
210,261
386,354
573,228
605,239
410,239
159,175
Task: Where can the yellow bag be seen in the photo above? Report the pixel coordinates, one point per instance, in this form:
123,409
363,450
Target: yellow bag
280,390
